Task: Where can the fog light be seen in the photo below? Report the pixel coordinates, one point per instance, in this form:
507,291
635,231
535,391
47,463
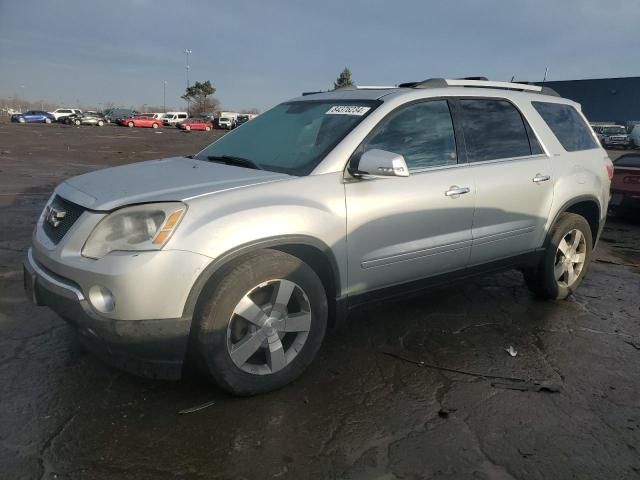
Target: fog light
102,299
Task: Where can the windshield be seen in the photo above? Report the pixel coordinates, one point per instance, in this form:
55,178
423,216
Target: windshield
614,131
292,137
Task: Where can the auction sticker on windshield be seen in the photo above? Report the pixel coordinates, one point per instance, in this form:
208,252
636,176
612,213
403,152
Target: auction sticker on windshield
348,110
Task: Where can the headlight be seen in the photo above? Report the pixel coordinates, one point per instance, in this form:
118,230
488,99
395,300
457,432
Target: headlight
141,227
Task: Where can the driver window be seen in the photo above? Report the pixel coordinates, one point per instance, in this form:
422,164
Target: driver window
422,133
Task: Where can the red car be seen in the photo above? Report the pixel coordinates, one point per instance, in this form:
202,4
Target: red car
625,185
195,124
141,121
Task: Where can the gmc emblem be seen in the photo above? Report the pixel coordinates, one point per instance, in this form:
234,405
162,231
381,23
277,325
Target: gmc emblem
53,216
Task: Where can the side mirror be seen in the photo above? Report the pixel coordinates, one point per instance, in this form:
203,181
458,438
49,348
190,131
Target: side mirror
379,163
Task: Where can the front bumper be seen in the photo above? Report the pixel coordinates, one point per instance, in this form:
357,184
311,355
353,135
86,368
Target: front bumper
151,348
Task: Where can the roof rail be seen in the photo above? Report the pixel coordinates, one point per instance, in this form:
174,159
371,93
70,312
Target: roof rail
478,82
367,87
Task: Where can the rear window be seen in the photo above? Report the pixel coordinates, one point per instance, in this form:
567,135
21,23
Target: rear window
494,129
628,161
567,125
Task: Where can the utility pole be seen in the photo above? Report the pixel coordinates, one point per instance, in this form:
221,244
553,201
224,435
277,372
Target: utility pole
164,96
188,52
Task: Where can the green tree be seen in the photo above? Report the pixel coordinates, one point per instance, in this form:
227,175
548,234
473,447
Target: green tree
198,94
343,80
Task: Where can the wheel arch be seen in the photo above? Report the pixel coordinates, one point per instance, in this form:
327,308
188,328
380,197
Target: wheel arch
587,206
312,251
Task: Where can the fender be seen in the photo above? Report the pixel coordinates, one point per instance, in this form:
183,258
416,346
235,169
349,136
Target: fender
567,205
271,242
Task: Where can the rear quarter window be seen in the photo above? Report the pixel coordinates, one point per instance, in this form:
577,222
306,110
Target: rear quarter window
567,125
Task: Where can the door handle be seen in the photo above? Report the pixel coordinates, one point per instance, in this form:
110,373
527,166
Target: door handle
455,191
541,178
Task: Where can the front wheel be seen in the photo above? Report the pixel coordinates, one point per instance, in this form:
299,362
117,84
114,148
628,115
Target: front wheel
565,260
207,129
78,122
262,324
47,120
100,123
130,124
155,125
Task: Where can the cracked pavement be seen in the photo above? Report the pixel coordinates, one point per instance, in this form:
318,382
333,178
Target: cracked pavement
358,412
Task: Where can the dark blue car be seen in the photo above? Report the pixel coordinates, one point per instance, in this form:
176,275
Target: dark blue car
33,116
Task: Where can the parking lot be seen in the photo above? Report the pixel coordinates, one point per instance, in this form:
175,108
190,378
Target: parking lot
417,388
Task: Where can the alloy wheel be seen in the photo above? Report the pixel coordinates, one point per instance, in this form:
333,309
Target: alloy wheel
570,258
269,327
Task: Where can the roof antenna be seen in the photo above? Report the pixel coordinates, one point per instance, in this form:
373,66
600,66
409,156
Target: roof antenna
546,69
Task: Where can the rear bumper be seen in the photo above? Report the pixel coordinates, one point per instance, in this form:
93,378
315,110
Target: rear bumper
150,348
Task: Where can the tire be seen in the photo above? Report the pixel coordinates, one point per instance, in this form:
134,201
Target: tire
22,120
207,129
130,124
77,122
282,351
155,125
187,127
559,275
100,123
47,120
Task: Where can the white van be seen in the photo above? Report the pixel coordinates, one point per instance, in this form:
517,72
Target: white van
171,118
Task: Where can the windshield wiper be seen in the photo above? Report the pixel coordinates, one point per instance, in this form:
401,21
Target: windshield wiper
237,161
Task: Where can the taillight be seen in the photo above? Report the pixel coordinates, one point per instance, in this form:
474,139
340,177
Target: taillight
609,165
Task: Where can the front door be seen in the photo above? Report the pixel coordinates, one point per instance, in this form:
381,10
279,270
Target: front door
408,228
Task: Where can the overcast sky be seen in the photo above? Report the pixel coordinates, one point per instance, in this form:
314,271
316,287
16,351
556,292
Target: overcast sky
258,53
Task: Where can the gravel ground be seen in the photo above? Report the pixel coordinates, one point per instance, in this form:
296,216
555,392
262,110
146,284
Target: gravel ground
419,388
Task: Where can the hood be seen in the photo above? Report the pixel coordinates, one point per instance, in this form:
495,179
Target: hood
176,178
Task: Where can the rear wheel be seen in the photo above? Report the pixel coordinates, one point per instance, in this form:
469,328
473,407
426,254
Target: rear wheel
187,127
262,324
155,125
77,122
207,129
565,260
22,120
47,120
130,124
100,123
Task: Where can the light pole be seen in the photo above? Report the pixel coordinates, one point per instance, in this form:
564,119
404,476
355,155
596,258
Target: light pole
164,96
188,52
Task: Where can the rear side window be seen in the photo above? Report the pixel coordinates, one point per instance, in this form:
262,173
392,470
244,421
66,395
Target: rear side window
567,125
494,129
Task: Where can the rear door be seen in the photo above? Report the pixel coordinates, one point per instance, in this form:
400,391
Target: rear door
401,229
512,175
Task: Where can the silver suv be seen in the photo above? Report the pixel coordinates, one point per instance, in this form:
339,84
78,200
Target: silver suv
242,255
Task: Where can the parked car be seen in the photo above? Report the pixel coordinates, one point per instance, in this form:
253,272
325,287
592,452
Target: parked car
194,124
142,121
171,118
59,113
33,116
87,118
615,136
244,254
115,115
625,185
241,120
226,123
